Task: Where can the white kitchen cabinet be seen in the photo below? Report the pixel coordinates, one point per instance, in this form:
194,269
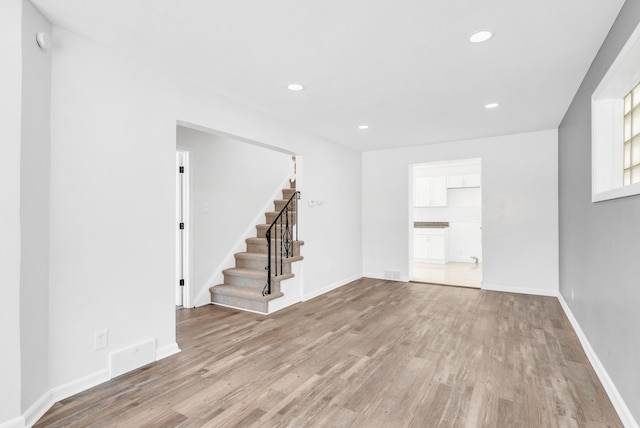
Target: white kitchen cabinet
420,246
430,191
430,245
461,181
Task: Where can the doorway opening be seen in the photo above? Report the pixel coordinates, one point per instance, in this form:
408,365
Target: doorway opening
446,223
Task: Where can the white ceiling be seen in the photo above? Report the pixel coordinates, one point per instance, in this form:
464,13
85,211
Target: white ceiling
405,67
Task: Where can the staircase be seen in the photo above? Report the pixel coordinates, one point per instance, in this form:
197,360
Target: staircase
245,285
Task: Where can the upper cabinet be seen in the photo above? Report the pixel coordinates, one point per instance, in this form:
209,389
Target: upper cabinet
430,191
467,180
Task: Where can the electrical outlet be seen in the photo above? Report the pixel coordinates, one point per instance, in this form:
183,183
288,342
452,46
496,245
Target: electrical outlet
101,339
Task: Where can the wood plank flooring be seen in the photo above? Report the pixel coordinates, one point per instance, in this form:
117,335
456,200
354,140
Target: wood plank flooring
373,353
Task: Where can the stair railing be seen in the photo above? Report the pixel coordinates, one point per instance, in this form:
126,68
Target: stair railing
287,233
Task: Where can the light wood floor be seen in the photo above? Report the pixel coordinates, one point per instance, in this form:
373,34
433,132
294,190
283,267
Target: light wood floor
373,353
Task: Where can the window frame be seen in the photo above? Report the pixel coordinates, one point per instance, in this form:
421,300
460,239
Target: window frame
607,124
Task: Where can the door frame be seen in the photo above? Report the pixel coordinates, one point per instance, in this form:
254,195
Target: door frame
182,159
411,188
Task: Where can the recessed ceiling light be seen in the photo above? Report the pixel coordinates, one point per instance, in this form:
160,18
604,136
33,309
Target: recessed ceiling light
363,127
491,105
480,36
295,87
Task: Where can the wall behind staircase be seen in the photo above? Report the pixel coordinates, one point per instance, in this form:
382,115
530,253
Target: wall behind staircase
230,182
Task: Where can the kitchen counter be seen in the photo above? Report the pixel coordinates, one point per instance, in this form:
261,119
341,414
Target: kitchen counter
430,224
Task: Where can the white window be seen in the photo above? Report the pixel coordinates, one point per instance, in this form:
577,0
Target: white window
615,127
631,152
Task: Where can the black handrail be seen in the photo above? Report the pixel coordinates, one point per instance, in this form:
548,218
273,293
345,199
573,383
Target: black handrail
288,235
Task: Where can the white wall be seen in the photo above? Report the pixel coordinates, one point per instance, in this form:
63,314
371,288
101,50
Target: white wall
230,183
10,112
519,208
34,208
112,200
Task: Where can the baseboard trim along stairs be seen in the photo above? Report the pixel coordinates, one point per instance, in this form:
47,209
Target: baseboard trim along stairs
244,284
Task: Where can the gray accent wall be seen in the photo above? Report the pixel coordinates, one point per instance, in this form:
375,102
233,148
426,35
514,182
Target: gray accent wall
600,242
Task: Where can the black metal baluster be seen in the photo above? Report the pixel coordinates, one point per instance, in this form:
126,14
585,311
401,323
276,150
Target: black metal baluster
268,236
286,239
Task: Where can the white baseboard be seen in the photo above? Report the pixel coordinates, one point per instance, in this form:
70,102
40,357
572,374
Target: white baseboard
616,399
167,351
238,309
82,384
44,403
38,409
519,290
281,303
380,276
48,399
316,293
13,423
291,288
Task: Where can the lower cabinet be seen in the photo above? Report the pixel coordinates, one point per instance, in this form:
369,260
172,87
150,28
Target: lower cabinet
430,245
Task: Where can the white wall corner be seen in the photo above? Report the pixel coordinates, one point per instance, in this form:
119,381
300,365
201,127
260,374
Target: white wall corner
167,351
331,287
616,399
13,423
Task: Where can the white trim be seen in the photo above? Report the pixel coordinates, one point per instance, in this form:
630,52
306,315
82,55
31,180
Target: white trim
228,261
616,399
237,308
620,192
280,303
48,399
167,351
380,276
81,384
331,287
187,235
38,409
519,290
13,423
607,123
